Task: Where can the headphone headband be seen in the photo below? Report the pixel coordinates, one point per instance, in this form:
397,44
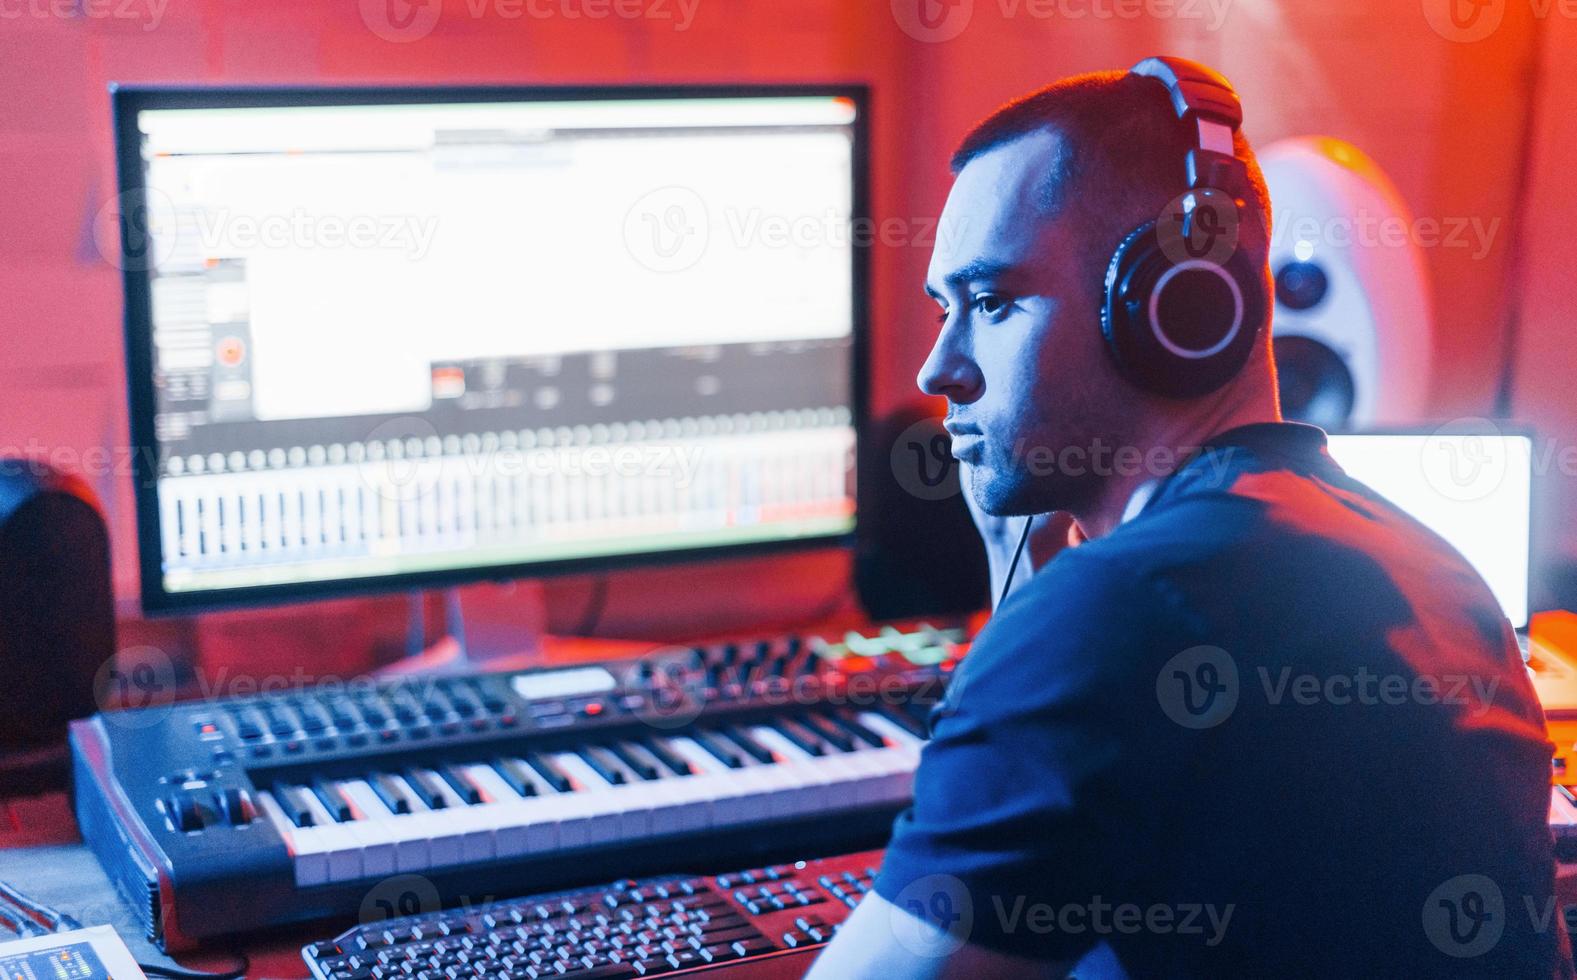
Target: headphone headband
1204,94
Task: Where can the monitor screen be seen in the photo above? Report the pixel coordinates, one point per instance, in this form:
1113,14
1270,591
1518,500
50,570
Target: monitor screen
386,337
1473,489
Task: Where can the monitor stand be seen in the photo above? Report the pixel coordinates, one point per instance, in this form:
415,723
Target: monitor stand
520,644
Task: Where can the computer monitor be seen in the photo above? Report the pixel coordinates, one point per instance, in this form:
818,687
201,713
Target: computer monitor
1474,488
389,338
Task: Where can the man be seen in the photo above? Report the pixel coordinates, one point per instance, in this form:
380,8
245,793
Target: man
1256,722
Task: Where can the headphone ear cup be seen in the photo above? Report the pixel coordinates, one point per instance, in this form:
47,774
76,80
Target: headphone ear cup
1179,329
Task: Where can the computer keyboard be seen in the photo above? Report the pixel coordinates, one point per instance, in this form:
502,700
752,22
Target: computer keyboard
666,925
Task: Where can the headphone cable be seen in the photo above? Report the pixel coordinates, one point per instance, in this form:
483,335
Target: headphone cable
1018,552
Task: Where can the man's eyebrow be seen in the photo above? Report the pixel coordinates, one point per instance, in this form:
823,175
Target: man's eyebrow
977,269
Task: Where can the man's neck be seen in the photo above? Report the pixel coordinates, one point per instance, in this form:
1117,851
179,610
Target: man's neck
1176,435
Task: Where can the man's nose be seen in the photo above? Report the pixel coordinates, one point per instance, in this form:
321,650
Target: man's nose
950,371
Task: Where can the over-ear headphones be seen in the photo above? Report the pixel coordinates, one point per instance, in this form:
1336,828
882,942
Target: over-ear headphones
1180,317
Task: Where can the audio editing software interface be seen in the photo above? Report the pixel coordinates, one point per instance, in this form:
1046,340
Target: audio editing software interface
400,338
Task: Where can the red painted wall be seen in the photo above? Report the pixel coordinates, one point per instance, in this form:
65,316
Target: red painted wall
1443,115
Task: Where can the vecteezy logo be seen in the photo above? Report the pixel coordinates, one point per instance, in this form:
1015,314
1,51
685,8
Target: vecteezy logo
1465,916
1199,225
398,897
922,462
671,685
668,229
396,464
136,230
1198,688
1464,21
933,916
401,21
933,21
1465,459
135,688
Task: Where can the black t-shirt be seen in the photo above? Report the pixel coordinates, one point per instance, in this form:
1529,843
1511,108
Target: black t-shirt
1271,726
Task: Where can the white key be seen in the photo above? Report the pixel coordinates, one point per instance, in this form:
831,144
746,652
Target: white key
735,799
377,846
412,849
444,849
602,803
310,860
680,805
342,846
472,827
810,793
508,811
897,737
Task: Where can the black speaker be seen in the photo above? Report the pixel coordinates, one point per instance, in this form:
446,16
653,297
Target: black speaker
57,610
918,552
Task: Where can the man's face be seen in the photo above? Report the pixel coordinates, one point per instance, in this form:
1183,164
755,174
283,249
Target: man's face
1019,356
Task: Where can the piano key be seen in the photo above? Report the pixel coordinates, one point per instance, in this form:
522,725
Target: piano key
823,726
675,762
410,851
334,804
292,803
343,847
603,818
717,749
513,773
308,858
427,788
899,717
847,720
628,755
805,783
437,826
462,787
753,748
461,820
390,792
800,737
734,801
600,764
547,770
379,854
894,733
629,799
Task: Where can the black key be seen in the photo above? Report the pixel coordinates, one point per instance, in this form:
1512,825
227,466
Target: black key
600,766
857,728
715,745
904,721
799,737
426,789
332,799
513,774
295,811
390,793
635,763
668,757
552,773
840,739
461,784
747,742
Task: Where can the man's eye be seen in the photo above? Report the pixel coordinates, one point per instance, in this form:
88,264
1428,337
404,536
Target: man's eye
991,304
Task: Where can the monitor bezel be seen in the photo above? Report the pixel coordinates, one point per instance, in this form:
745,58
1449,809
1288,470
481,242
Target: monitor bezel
1504,428
127,101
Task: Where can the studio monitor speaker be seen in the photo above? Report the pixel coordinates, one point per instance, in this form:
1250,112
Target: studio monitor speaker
918,552
57,615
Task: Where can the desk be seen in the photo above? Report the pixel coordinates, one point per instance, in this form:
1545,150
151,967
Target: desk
42,855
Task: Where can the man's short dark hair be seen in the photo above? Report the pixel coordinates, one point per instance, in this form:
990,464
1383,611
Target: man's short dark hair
1123,151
